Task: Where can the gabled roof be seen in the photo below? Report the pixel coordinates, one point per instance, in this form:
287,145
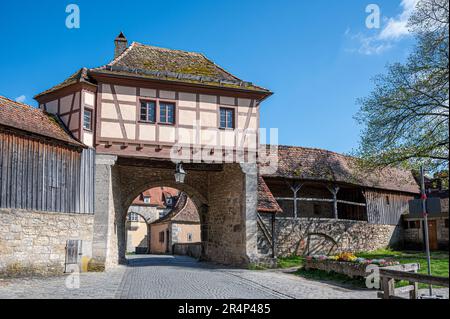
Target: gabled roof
322,165
175,65
32,120
81,76
266,201
150,62
158,196
184,211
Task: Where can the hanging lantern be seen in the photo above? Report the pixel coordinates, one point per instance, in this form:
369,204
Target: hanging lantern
180,174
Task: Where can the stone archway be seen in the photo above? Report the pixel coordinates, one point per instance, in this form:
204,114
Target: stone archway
226,200
197,198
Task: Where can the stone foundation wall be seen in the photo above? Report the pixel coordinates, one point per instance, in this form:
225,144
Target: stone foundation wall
193,250
309,236
35,242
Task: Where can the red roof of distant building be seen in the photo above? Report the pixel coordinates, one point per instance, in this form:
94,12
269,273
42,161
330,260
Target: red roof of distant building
158,196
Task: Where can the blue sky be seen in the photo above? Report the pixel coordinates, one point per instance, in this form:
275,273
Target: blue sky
316,56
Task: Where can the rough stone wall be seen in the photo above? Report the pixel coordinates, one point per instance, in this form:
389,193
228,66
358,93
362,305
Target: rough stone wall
413,237
149,213
323,236
35,242
231,232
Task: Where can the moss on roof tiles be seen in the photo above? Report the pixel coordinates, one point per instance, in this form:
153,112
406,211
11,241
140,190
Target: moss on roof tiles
138,60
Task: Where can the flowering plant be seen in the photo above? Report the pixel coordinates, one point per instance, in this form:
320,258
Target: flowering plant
345,256
349,257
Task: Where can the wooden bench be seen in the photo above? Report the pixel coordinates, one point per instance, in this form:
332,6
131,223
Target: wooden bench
408,272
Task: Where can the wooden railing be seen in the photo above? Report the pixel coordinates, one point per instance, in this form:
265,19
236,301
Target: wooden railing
409,273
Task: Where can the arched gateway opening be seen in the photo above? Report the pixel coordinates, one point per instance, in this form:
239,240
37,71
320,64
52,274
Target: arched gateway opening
163,220
225,196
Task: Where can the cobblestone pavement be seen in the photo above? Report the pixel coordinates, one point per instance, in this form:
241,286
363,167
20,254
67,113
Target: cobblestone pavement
181,278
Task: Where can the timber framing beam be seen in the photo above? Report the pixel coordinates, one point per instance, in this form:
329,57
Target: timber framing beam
327,200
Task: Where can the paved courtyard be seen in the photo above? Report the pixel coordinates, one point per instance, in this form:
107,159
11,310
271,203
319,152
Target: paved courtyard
177,277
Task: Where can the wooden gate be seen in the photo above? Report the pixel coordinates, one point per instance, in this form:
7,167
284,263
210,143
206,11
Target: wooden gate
73,253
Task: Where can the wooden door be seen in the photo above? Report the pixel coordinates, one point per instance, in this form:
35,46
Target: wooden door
432,233
73,252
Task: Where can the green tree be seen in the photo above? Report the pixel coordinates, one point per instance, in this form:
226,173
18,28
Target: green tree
406,116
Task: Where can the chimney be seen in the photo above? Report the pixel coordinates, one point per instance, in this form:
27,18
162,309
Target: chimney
120,45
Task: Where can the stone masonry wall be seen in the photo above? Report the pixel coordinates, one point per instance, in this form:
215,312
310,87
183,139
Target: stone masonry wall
413,237
226,221
35,242
309,236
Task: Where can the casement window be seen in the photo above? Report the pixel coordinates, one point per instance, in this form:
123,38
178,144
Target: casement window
226,118
133,217
166,113
148,111
87,119
161,237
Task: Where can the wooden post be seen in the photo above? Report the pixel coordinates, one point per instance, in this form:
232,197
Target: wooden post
388,287
295,188
274,238
334,191
414,294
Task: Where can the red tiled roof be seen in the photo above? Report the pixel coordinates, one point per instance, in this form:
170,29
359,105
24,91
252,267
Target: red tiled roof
321,165
184,211
33,120
266,201
157,196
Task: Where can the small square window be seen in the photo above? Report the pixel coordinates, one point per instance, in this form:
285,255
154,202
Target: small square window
226,118
87,120
147,199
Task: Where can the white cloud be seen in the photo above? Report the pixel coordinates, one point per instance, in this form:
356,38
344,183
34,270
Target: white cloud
397,27
21,99
394,29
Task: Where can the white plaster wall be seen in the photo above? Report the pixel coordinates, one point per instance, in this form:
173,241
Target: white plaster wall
148,92
147,132
187,117
88,138
52,107
89,98
111,130
109,111
167,95
167,134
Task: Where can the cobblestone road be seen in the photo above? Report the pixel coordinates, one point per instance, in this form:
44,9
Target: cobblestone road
181,278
